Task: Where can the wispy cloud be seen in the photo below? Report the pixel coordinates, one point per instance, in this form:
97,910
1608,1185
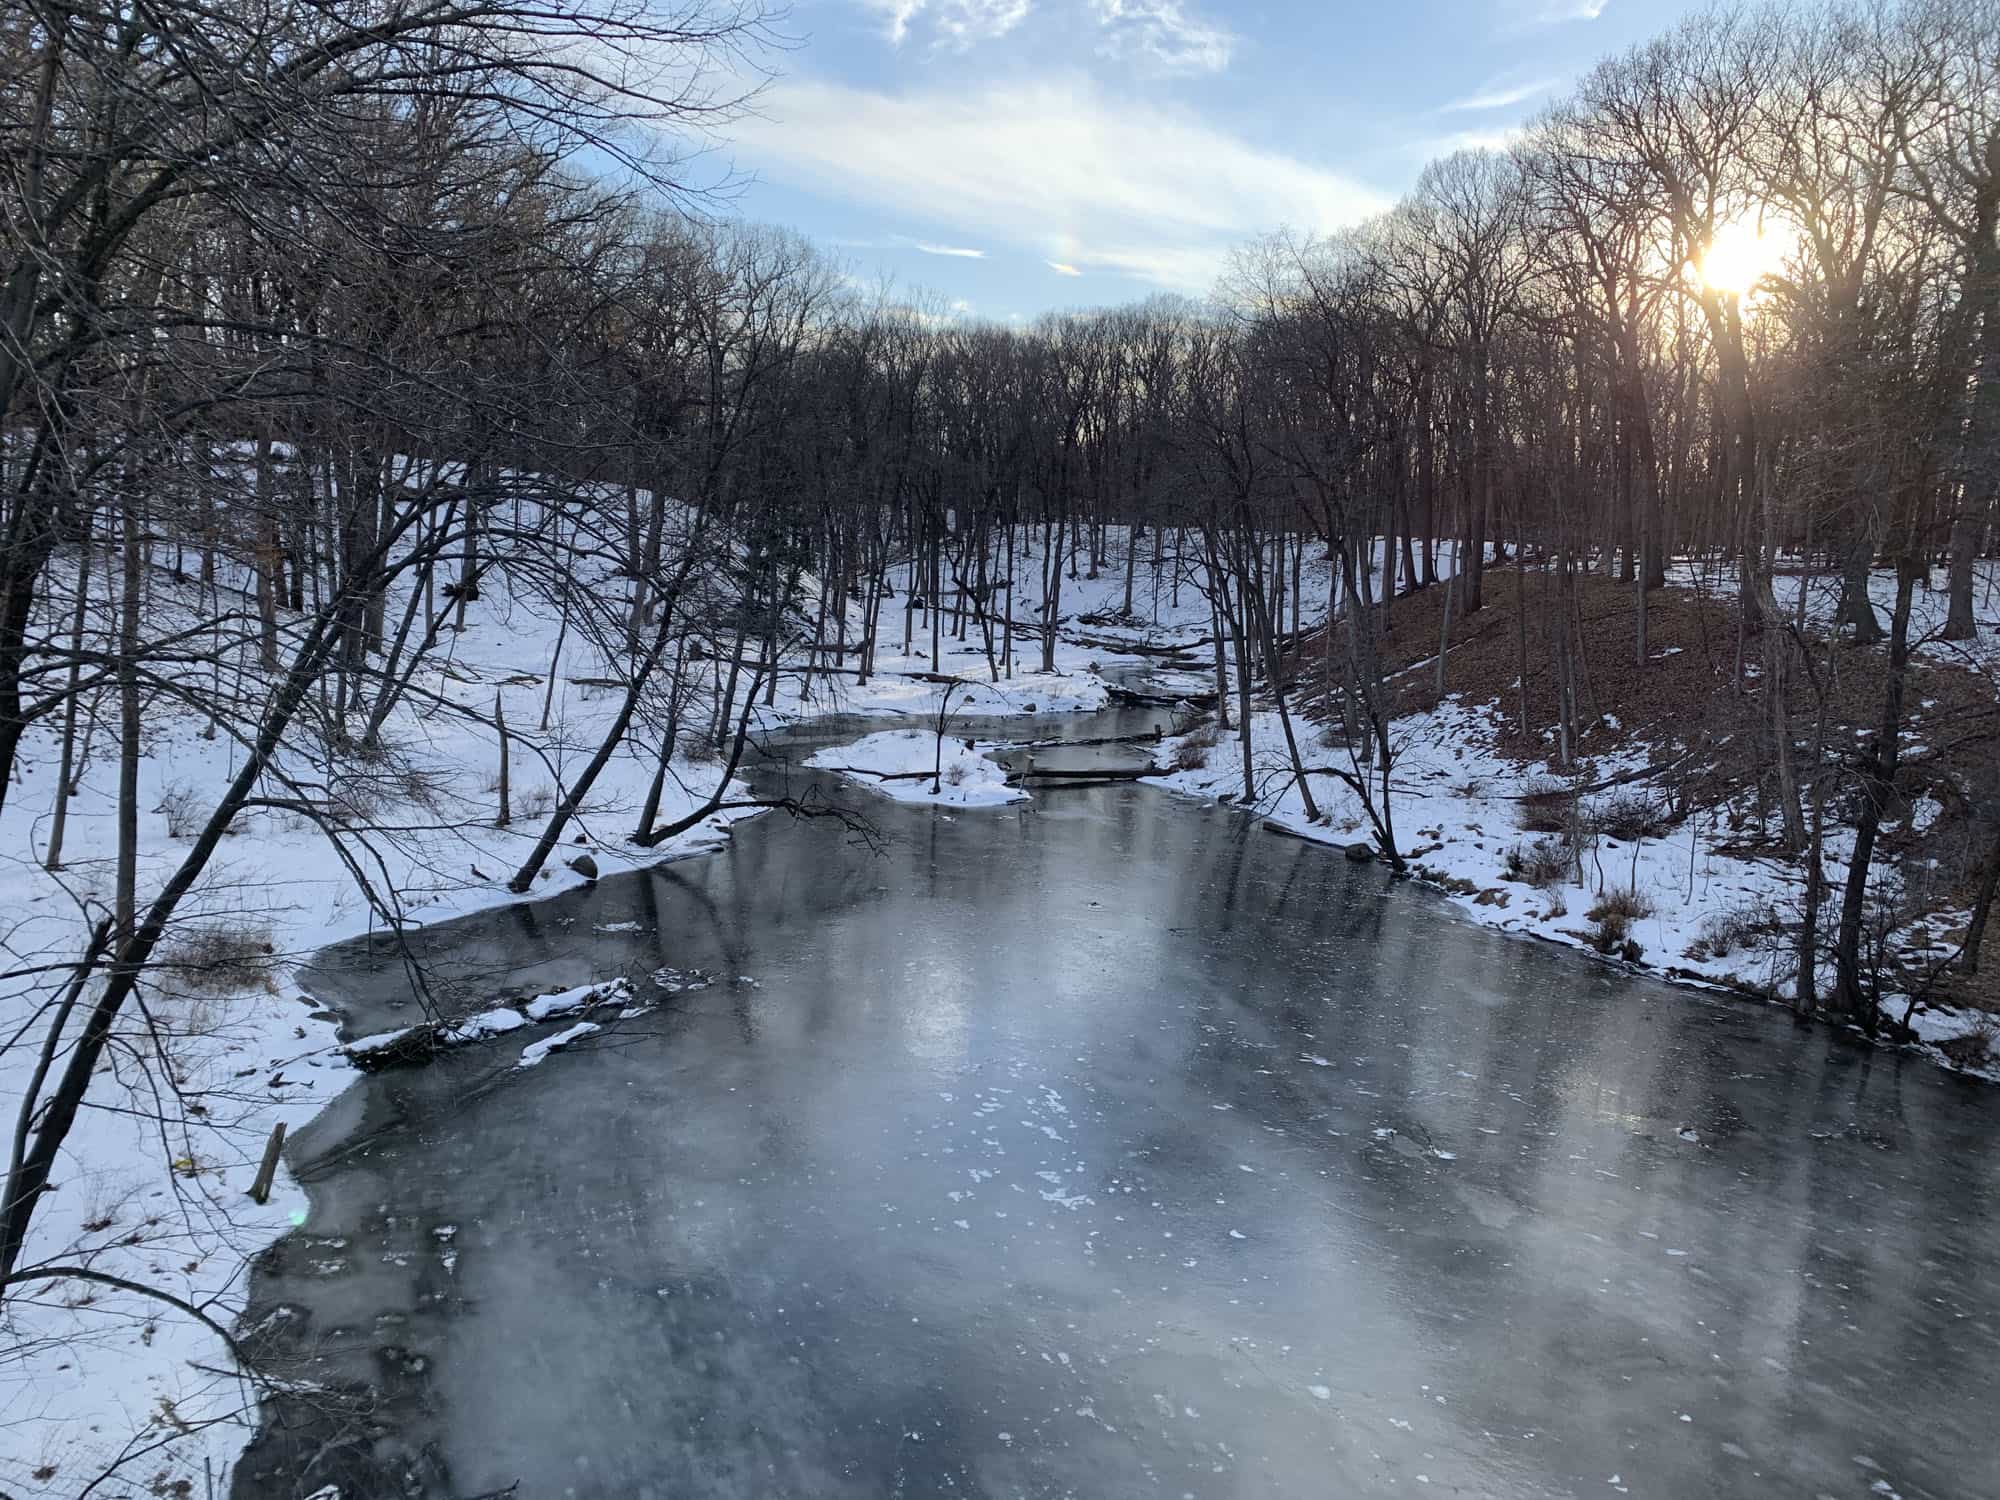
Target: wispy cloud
959,252
1499,139
955,24
1062,268
1499,93
1528,15
1057,168
899,13
1163,34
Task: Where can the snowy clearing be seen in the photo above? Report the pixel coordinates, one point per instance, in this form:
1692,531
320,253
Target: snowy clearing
912,765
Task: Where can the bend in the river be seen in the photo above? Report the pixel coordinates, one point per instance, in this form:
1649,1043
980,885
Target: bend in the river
1107,1146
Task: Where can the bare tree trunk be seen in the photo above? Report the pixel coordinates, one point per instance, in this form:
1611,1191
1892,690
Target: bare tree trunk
1805,990
506,814
268,560
578,789
1221,670
1975,933
1856,611
1878,773
669,742
1966,534
555,661
66,772
1052,565
125,902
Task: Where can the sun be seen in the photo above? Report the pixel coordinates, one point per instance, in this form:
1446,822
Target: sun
1740,256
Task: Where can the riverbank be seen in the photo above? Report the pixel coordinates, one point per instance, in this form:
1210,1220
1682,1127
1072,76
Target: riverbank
152,1184
1274,1151
157,1195
1655,847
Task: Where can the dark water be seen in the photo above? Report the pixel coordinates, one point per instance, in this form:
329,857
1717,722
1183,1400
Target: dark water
1108,1146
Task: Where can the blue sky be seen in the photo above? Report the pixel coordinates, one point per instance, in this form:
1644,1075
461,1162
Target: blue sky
1013,156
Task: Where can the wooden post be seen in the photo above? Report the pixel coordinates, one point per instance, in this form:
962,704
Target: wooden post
260,1190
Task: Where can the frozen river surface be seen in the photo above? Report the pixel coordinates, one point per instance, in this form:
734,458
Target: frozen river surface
1109,1146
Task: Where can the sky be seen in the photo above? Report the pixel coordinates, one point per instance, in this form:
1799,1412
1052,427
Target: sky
1004,158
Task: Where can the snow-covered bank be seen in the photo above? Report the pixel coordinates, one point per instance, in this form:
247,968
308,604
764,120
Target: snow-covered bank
914,765
152,1183
98,1370
1667,898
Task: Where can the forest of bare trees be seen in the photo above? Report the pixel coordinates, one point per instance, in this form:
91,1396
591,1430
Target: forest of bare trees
316,318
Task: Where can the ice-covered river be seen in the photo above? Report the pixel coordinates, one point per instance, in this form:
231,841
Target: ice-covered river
1109,1146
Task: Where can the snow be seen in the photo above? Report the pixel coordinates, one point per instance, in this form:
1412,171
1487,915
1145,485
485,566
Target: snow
569,1002
1928,605
91,1370
537,1052
497,1021
89,1374
92,1377
488,1023
967,778
1456,811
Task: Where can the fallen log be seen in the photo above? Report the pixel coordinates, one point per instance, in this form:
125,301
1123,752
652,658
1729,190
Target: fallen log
1138,698
880,775
415,1045
1101,778
1097,775
1144,737
1184,653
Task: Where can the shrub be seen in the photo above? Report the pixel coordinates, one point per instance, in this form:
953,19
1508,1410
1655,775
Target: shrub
1974,1048
535,802
354,800
1631,816
1630,905
1547,807
1611,922
1542,863
1736,927
181,809
215,956
1191,754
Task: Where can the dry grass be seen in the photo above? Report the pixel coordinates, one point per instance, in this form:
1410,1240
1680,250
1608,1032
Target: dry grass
1611,922
182,810
1548,806
1191,754
216,956
1976,1048
1734,928
1542,863
1630,816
